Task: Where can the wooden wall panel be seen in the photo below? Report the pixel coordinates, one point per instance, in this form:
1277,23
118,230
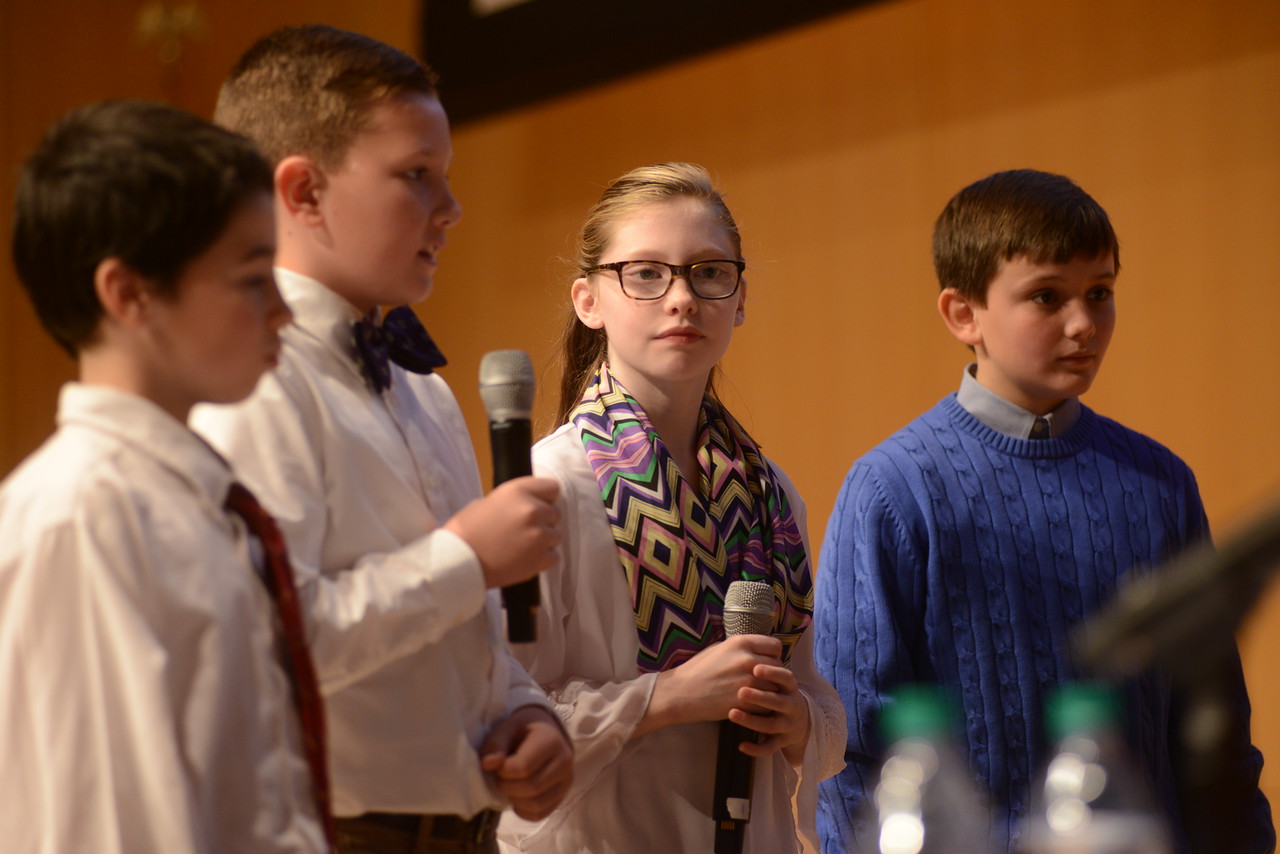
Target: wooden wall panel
59,54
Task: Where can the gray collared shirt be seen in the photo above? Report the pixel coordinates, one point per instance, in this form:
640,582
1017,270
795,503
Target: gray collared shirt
1009,418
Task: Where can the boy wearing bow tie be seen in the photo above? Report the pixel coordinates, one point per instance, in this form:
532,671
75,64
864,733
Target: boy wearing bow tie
362,454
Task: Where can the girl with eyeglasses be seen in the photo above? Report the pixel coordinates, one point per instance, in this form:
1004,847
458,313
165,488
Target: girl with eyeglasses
665,500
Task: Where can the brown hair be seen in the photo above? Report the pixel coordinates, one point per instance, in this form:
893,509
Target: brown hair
1019,213
308,90
149,184
584,348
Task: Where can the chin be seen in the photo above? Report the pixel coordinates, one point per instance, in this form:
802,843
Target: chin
413,293
236,395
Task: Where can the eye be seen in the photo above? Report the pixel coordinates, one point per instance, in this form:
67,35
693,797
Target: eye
258,282
1044,298
1101,294
642,272
418,173
714,272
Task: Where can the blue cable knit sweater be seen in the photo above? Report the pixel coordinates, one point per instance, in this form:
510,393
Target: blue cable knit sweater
961,556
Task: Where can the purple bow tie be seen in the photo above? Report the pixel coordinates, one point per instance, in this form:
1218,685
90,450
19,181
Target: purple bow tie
400,338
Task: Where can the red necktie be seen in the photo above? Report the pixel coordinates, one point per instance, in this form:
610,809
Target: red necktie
302,673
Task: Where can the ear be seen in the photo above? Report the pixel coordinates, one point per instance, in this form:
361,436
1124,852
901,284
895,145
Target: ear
586,303
122,292
740,316
958,313
299,184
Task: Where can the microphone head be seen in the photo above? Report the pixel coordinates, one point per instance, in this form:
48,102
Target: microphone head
506,385
748,608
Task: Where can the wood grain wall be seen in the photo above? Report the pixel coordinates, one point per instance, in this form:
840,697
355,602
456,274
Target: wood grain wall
837,144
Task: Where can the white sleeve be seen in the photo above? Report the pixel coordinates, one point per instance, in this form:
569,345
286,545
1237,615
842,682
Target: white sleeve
601,711
93,741
824,751
380,607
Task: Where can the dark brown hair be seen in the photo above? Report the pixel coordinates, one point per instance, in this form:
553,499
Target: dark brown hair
146,183
1020,213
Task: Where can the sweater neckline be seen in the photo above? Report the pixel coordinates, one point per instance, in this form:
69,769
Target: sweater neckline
1063,446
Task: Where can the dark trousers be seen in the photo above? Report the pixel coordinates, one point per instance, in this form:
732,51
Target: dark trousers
386,833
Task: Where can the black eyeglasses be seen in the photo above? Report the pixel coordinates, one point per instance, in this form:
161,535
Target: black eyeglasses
641,280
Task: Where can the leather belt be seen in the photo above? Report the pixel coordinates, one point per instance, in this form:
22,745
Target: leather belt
479,828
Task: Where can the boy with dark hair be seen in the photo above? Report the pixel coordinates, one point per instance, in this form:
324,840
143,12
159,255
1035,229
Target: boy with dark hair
964,548
144,701
369,466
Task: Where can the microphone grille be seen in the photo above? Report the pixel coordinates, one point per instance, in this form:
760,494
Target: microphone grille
506,384
748,608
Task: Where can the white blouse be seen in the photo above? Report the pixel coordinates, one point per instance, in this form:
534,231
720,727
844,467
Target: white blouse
654,793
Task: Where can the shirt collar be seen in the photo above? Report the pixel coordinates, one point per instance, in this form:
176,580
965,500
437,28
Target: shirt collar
1009,418
149,430
319,311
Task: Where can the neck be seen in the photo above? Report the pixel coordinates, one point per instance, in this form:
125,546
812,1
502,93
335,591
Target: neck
294,259
676,420
108,368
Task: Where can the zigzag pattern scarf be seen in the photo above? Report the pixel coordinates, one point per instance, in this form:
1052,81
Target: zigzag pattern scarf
681,546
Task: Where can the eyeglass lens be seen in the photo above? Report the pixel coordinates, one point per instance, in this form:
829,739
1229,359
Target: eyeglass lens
651,279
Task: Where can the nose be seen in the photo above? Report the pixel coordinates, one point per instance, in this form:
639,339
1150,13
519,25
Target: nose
1081,324
680,298
449,211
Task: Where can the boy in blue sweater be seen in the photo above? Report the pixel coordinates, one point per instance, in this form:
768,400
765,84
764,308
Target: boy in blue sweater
964,548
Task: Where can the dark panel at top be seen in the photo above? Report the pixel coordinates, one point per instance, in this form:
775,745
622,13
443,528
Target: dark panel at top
541,48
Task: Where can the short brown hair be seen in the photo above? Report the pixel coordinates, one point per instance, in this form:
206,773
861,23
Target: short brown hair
308,90
149,184
1020,213
584,348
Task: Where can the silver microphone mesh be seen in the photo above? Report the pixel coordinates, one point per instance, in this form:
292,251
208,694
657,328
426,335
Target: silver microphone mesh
507,386
748,608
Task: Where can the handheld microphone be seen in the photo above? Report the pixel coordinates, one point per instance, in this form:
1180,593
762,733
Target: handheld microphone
748,610
507,389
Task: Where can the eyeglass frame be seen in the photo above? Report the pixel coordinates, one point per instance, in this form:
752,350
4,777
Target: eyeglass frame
682,270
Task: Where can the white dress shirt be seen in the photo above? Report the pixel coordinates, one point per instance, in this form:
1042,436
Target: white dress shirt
408,646
143,704
653,794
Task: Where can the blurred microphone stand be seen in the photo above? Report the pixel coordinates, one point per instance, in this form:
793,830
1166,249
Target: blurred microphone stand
1182,618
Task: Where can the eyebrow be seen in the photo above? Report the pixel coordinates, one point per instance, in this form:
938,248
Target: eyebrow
1054,278
259,250
429,153
702,255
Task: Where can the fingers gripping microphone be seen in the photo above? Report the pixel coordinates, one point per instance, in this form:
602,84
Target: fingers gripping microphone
507,388
748,610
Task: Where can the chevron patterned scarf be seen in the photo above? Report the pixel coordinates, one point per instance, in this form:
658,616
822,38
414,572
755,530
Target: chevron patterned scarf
681,546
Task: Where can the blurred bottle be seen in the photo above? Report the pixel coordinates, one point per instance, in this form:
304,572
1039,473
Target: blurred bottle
1091,799
926,801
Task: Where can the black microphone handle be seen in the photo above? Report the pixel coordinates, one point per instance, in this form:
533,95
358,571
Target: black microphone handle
734,773
748,610
511,441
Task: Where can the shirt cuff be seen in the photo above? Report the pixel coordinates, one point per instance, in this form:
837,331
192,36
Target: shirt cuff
456,576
